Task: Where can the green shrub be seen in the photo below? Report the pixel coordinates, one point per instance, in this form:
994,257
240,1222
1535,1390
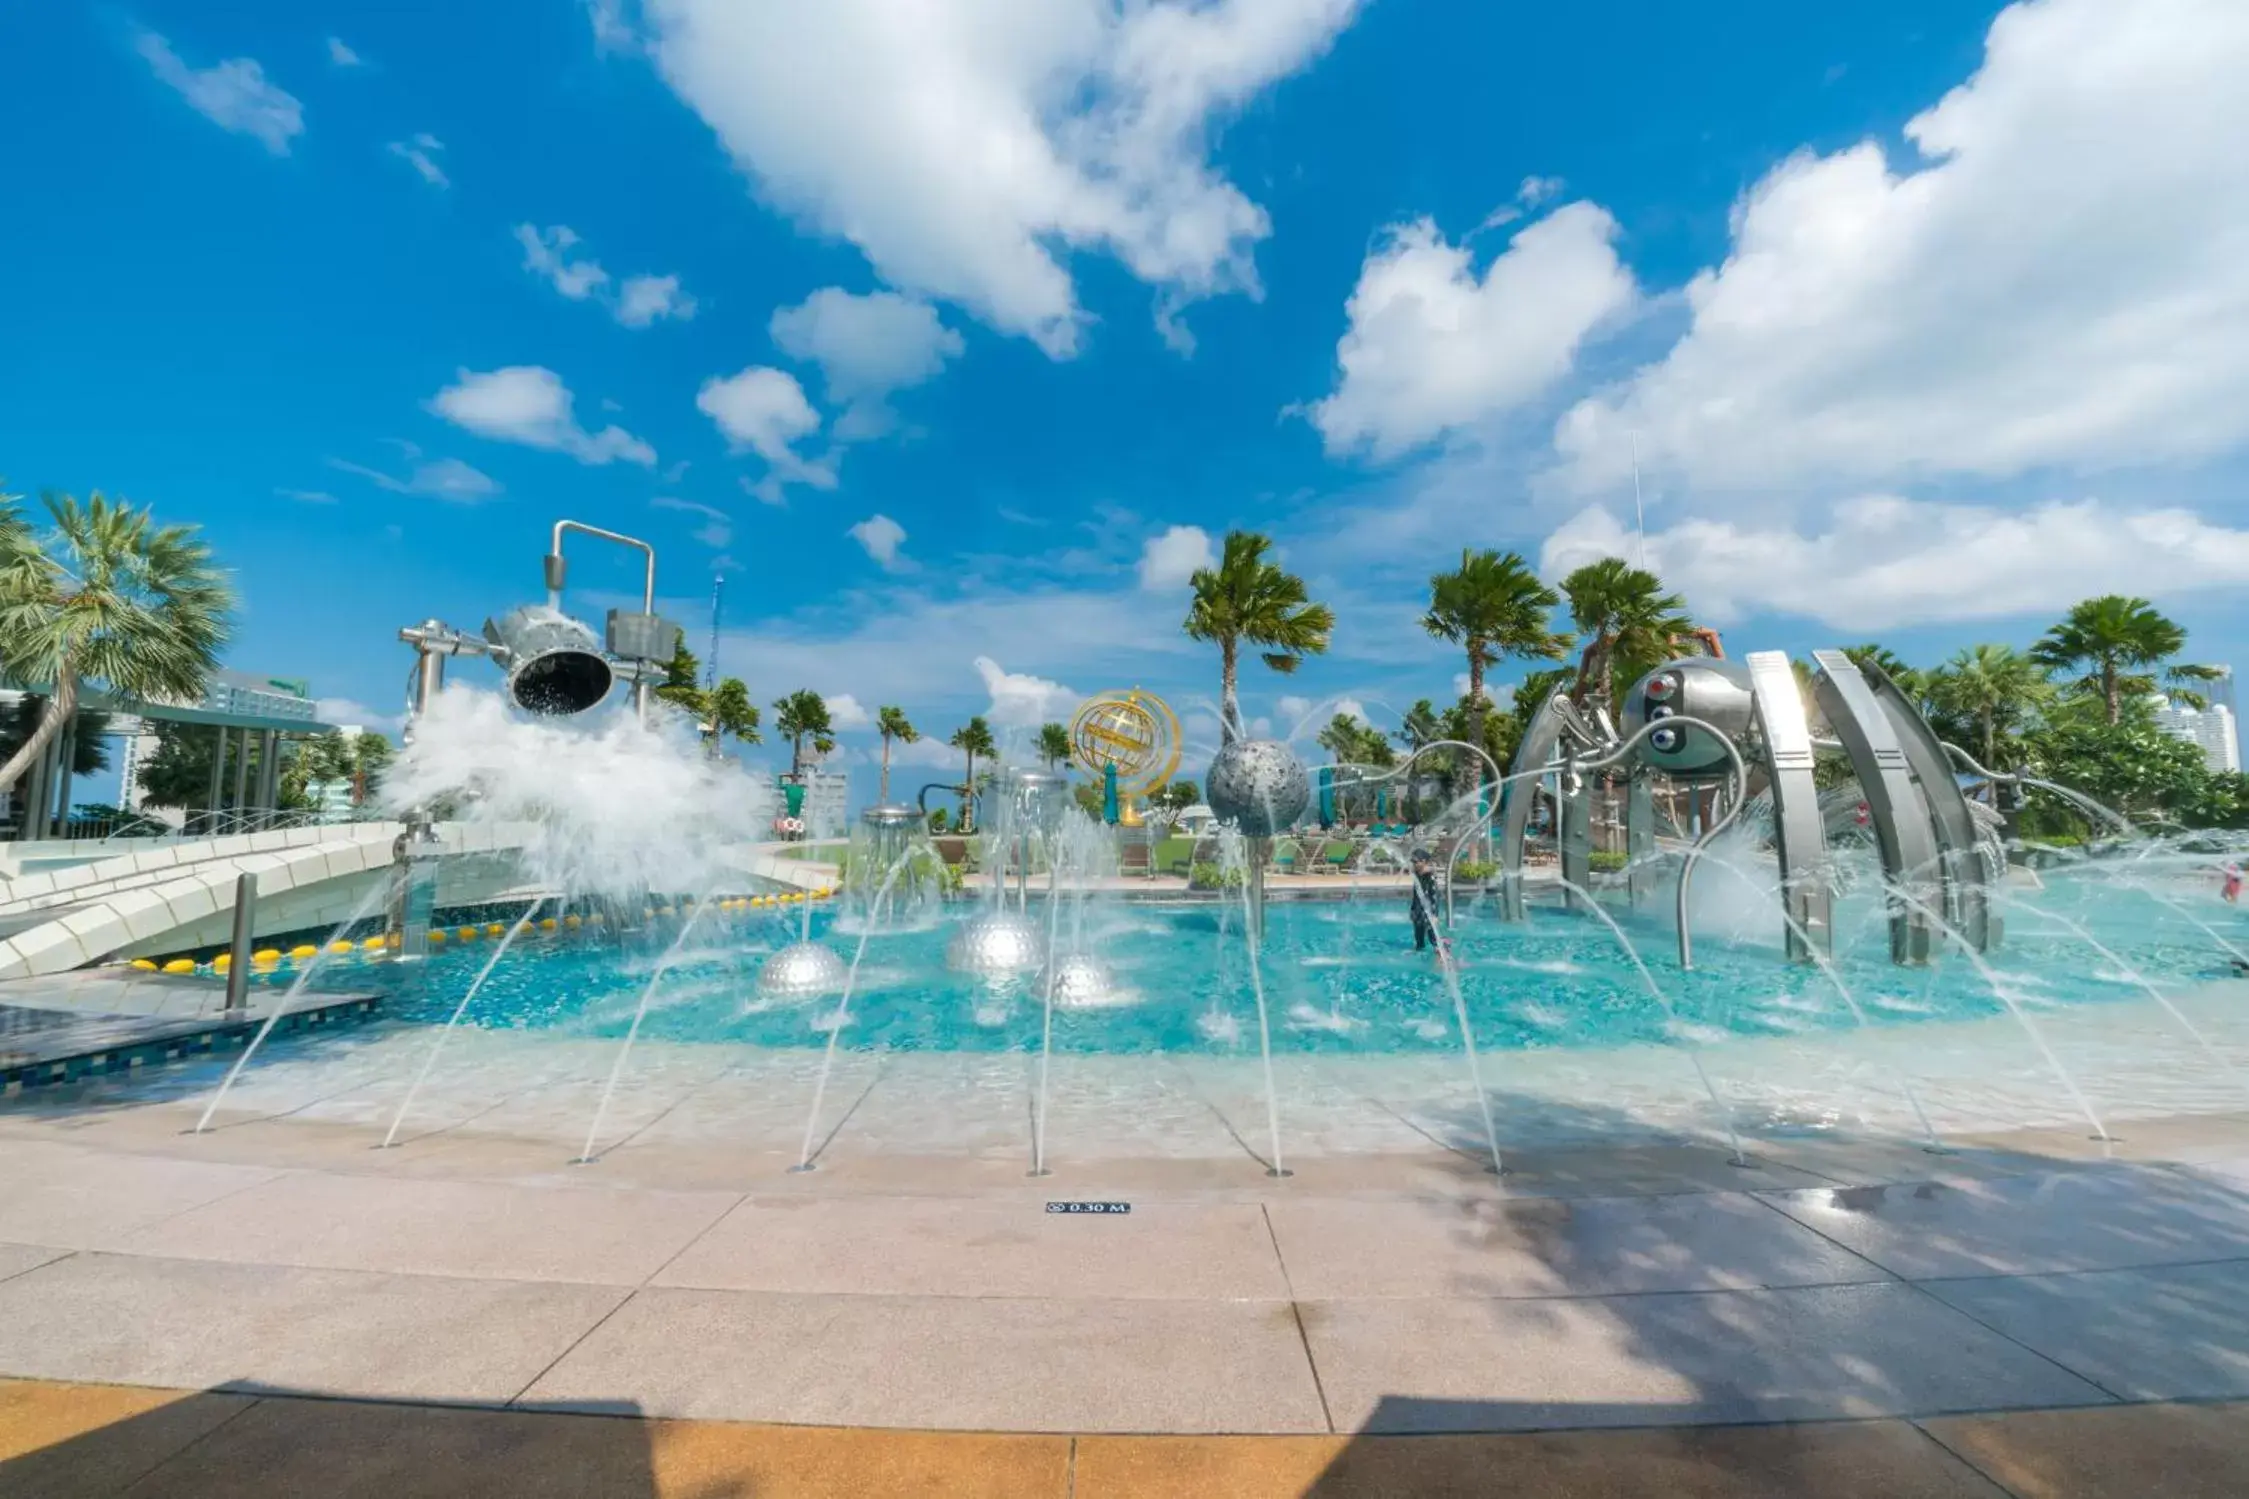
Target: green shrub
1205,875
1607,861
1474,871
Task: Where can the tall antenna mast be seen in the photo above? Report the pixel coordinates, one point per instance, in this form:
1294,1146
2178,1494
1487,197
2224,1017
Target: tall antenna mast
1639,512
710,662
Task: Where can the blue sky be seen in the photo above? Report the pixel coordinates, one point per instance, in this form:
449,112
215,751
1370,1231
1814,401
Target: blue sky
953,333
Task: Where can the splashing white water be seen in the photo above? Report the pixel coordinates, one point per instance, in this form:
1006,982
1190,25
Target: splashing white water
605,806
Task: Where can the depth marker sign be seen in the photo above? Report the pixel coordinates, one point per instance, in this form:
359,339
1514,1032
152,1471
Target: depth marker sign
1089,1207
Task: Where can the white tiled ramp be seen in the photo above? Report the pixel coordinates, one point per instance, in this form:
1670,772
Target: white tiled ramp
1478,1246
994,1364
2083,1220
947,1247
126,1320
2175,1332
488,1230
1834,1351
95,1199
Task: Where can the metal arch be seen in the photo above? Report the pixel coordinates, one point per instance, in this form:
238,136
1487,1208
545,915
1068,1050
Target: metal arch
1807,889
1541,738
1967,877
1896,807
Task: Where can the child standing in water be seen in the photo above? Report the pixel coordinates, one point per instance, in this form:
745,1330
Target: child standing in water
1422,902
2230,887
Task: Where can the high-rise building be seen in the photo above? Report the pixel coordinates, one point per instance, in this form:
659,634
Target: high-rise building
2210,730
2221,696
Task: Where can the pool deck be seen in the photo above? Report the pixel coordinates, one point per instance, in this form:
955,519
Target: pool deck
1859,1306
60,1027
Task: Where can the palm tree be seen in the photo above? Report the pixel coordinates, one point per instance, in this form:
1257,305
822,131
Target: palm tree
1248,598
892,725
1537,686
681,685
1494,606
1342,739
1054,745
803,715
2106,636
109,597
1995,685
1626,616
972,739
728,711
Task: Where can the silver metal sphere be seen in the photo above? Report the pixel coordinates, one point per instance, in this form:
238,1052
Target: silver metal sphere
1699,687
995,945
1081,982
1258,785
802,970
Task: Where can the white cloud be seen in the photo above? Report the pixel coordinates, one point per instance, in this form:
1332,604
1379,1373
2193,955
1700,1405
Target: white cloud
441,479
421,154
845,712
307,496
717,529
1023,701
611,31
962,147
344,712
1432,347
531,405
546,252
341,55
866,347
2061,280
1460,687
1884,562
553,255
234,94
1169,560
881,537
765,410
646,299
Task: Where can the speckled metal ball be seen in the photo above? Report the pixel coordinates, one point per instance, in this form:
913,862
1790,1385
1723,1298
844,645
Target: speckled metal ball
1258,785
1082,982
801,971
995,945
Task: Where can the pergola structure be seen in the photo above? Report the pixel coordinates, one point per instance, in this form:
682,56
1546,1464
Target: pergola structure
248,715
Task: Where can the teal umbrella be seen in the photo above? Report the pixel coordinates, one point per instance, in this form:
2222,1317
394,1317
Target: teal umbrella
1109,794
1325,776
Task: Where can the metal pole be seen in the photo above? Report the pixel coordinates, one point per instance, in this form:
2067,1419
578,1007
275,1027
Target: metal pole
557,571
218,783
238,960
269,770
242,773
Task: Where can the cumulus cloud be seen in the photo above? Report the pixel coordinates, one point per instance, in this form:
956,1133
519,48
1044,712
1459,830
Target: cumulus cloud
867,347
234,95
845,711
647,299
344,712
1884,561
1432,346
963,148
765,410
440,479
420,153
1022,701
530,405
881,537
2059,280
1169,560
341,55
553,255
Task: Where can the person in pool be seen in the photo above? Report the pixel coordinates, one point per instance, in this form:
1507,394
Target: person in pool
1422,902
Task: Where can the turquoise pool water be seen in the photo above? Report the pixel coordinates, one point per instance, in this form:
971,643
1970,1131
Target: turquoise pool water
1339,977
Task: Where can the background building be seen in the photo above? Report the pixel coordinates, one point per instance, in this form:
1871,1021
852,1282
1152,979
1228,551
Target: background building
2210,729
